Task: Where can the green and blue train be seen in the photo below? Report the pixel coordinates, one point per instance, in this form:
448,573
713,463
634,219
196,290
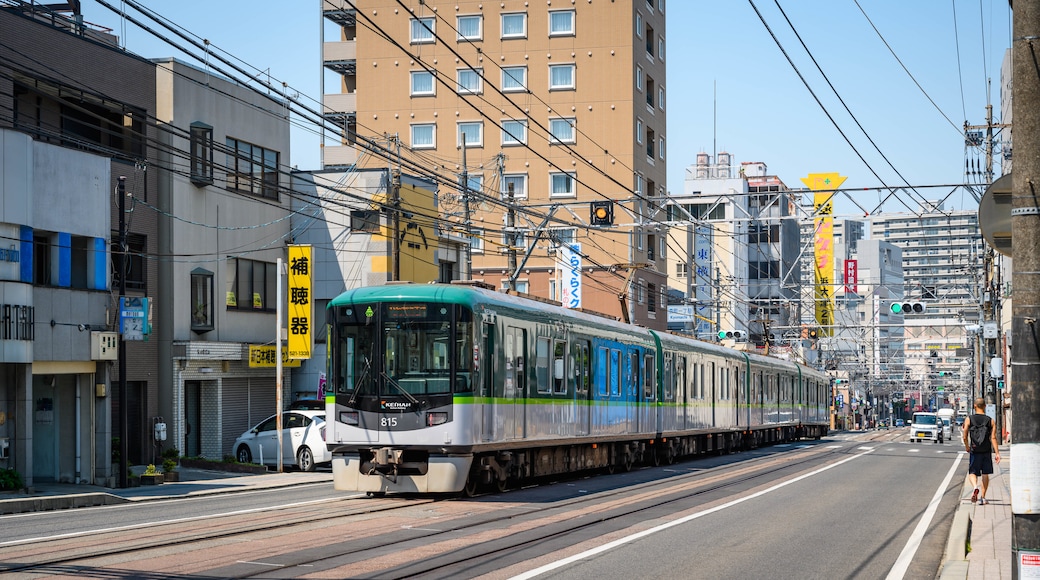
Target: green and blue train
449,387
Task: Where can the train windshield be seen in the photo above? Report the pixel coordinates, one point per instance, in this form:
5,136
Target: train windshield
403,349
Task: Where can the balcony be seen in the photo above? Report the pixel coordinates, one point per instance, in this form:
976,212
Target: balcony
340,106
340,56
339,11
339,156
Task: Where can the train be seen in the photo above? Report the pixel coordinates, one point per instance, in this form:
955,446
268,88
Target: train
458,388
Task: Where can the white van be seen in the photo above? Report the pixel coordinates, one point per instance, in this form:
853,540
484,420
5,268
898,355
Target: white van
948,418
926,426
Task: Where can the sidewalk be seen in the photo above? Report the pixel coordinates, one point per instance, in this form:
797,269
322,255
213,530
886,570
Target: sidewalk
193,482
989,527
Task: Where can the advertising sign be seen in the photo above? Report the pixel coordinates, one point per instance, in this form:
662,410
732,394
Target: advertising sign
299,296
570,275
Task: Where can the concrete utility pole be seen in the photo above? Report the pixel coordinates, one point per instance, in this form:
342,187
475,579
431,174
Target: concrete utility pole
467,267
1025,280
395,204
124,414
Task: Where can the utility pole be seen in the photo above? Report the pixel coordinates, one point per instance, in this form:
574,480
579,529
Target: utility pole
395,205
1025,279
511,236
466,272
124,431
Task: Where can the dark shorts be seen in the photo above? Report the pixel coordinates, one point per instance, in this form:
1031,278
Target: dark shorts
980,463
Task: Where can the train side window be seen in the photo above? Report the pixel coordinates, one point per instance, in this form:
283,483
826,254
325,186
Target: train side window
602,377
559,382
615,372
541,364
649,377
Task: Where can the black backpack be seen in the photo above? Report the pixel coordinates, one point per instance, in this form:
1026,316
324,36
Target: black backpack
978,434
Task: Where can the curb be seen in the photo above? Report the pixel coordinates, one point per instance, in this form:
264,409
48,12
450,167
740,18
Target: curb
955,558
58,502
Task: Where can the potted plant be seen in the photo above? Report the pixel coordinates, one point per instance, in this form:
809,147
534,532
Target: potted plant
170,474
170,457
151,476
132,479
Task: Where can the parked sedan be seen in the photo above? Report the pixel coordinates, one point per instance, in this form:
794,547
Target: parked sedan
303,441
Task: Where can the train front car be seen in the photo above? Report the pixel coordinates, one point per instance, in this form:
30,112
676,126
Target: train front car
399,355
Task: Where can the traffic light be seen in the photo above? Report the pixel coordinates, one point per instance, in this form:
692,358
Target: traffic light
602,213
732,335
899,307
814,333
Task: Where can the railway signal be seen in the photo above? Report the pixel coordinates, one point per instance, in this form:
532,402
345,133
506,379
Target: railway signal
899,307
602,213
732,335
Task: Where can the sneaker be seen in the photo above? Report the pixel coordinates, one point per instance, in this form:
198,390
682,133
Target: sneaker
982,501
975,495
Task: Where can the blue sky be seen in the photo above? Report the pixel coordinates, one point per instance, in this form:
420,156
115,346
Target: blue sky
730,87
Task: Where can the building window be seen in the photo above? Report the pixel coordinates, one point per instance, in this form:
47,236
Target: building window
251,285
519,183
641,291
561,131
252,169
561,237
514,132
514,78
561,77
201,152
469,81
469,27
364,220
518,241
649,92
424,136
562,184
660,148
423,31
472,133
476,240
651,297
681,269
561,23
639,77
660,98
639,131
639,25
422,84
649,40
474,182
660,48
201,300
136,265
514,25
650,143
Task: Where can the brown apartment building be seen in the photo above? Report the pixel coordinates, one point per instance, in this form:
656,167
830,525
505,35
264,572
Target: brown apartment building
563,102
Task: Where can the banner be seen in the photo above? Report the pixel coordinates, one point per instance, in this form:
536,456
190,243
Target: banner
851,276
824,185
570,275
263,356
299,296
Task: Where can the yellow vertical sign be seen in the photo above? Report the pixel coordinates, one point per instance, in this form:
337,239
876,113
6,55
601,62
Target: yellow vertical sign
824,184
300,303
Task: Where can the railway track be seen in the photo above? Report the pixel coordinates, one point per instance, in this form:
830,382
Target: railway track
397,537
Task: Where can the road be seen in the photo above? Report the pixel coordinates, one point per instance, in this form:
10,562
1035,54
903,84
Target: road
861,505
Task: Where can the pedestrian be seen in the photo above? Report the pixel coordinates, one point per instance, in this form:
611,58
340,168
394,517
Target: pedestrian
982,451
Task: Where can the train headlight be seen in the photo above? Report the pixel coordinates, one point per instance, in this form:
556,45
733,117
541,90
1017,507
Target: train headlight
436,419
348,417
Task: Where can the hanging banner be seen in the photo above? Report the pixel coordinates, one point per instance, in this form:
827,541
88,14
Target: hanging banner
570,275
851,275
824,184
299,296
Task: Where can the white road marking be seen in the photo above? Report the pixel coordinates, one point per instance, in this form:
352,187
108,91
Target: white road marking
864,448
259,563
915,451
833,447
631,538
903,561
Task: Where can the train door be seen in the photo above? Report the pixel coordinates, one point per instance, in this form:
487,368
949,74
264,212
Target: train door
517,398
581,373
487,385
648,413
715,390
630,391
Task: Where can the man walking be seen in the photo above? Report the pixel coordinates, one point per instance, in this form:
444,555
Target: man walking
980,440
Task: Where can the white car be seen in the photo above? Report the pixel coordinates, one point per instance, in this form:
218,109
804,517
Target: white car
303,441
926,426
